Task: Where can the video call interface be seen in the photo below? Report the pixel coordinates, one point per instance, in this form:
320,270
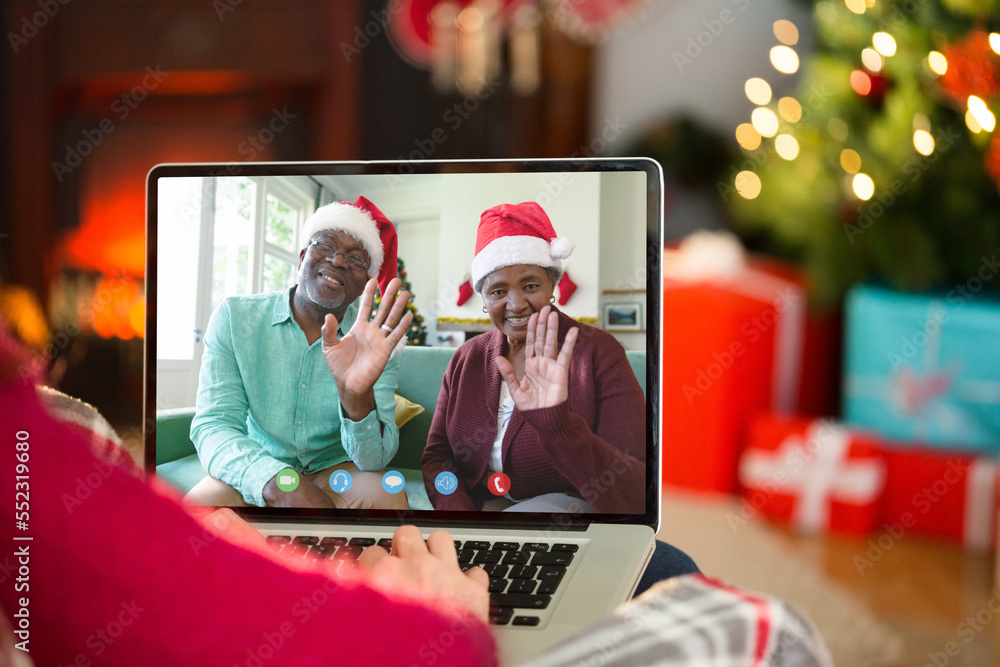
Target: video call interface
247,411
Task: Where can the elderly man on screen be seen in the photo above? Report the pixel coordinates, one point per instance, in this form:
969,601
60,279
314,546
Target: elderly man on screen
301,379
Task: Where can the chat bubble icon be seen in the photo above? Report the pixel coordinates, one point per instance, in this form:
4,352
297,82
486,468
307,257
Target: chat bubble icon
393,482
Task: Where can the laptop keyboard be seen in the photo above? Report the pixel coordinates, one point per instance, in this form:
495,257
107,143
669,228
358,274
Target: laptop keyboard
523,575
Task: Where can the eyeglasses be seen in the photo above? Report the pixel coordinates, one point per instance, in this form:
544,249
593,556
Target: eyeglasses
353,259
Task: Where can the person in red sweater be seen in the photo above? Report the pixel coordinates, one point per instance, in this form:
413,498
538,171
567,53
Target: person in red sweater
549,402
101,568
104,569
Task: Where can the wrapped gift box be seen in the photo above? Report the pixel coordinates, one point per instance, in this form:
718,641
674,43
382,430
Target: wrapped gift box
924,368
821,358
944,494
813,475
731,348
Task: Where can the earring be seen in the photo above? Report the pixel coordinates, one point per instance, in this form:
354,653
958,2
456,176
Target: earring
552,300
484,309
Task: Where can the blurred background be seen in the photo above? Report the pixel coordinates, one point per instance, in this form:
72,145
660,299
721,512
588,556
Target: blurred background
832,222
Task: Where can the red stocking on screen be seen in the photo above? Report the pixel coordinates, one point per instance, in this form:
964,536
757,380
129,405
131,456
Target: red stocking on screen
464,293
566,288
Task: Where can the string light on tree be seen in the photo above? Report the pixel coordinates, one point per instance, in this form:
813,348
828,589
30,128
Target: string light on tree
995,42
784,59
758,91
937,62
748,137
790,109
863,186
870,85
972,123
871,59
861,82
923,141
764,121
856,6
747,184
786,32
984,117
884,43
850,161
786,146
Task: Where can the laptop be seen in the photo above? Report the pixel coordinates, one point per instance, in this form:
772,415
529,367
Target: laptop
221,230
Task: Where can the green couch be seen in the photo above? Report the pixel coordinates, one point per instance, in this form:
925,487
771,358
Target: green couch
420,374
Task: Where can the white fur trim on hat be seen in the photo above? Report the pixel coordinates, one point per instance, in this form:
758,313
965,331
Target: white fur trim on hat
511,250
356,223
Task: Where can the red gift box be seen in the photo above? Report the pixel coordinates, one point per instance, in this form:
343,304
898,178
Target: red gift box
814,475
943,494
731,348
818,392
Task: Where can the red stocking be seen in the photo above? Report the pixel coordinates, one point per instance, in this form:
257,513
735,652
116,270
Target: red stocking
464,293
566,288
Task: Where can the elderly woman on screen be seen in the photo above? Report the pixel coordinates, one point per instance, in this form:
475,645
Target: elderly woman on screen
550,403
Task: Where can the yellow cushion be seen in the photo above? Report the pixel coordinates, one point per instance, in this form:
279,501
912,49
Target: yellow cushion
406,410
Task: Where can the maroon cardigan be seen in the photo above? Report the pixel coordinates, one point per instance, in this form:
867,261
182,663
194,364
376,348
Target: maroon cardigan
592,446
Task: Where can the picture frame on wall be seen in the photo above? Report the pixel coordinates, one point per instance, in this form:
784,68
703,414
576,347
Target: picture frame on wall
626,316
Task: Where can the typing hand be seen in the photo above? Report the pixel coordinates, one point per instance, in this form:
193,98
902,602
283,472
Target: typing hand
427,571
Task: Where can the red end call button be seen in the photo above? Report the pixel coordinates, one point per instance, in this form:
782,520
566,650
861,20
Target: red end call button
499,484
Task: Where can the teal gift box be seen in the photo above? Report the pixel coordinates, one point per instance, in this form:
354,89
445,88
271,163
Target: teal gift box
925,367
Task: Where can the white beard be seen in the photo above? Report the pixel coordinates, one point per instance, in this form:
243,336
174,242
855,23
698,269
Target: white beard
309,284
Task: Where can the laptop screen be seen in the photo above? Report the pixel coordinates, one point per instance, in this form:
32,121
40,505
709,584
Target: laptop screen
256,400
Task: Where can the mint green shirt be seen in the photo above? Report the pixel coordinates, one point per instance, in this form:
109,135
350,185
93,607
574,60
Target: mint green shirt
267,400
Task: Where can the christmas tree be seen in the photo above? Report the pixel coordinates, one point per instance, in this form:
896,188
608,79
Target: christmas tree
417,333
885,165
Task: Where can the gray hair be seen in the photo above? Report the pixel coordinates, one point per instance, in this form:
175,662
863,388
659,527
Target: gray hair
554,272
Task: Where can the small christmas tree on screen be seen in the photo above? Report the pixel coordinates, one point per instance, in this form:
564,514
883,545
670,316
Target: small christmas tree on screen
417,333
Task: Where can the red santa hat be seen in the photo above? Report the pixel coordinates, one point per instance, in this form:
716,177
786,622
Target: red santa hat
367,225
512,234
